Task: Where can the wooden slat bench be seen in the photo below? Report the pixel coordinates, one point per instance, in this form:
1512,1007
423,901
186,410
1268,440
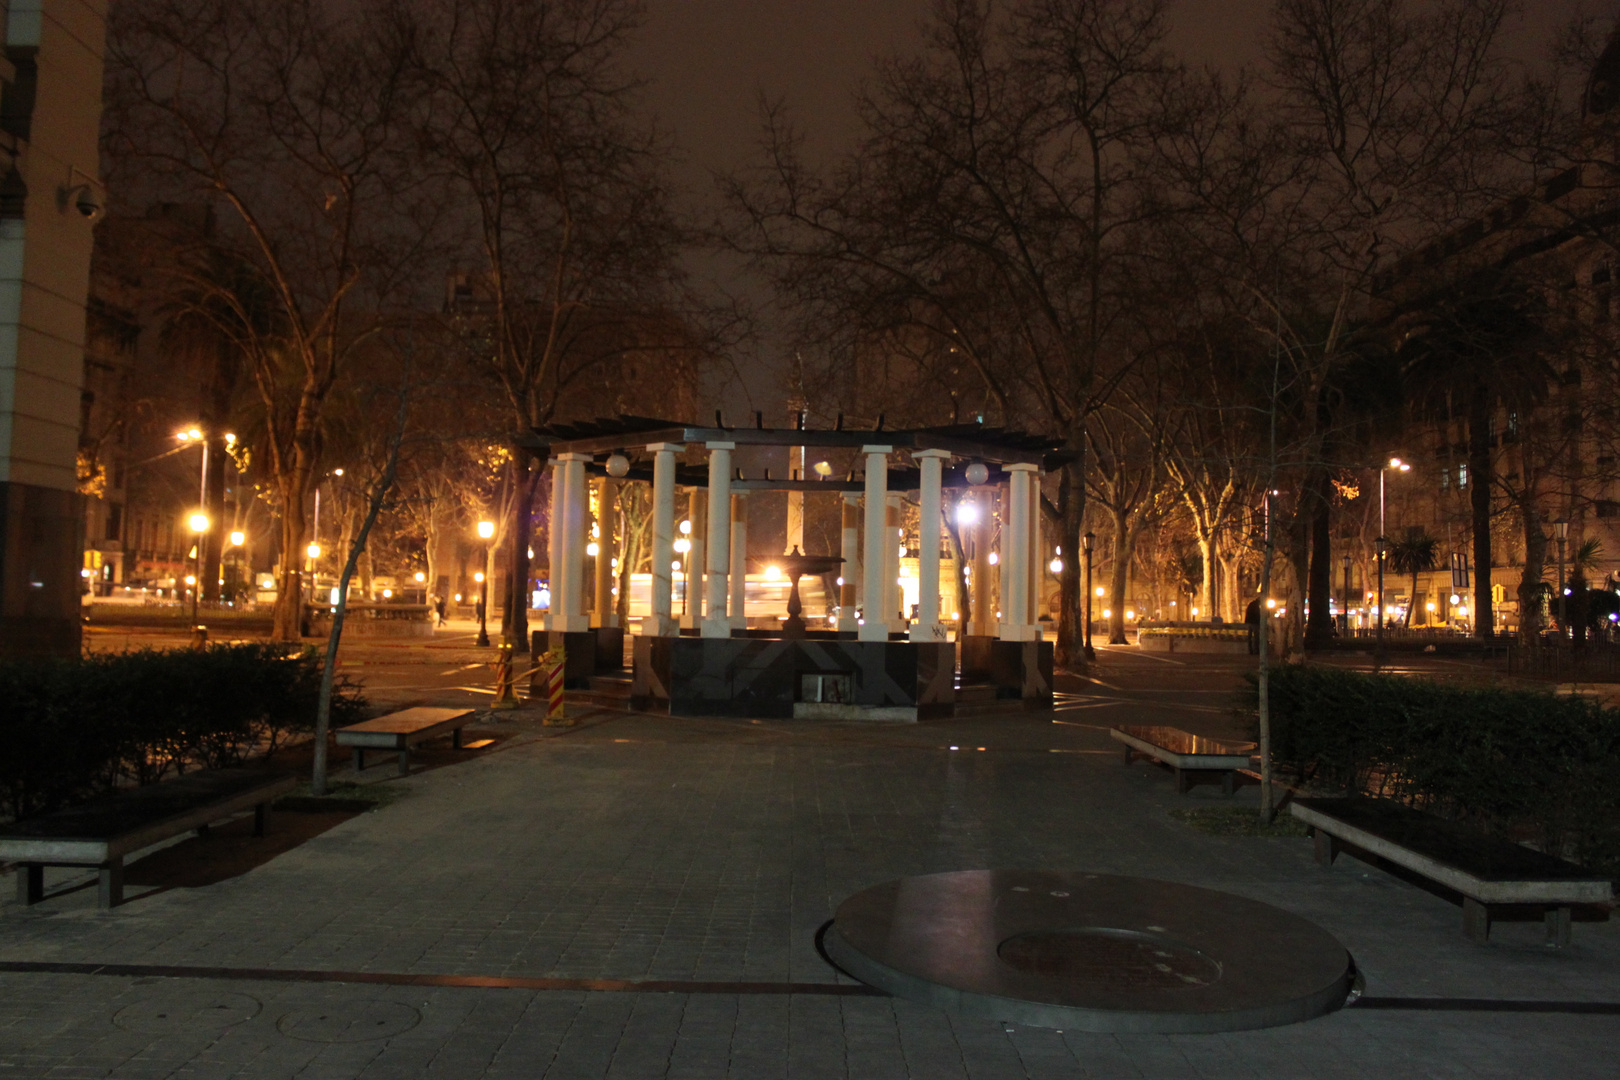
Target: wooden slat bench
101,832
1486,870
1189,756
402,730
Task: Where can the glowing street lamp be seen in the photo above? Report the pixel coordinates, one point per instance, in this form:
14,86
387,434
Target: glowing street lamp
1087,542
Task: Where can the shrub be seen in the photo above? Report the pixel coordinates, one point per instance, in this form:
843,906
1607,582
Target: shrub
72,729
1524,764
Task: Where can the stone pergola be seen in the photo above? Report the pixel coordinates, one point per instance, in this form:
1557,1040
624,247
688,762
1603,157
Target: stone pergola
889,462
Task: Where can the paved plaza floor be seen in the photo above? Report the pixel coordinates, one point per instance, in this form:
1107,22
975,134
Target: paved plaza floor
639,897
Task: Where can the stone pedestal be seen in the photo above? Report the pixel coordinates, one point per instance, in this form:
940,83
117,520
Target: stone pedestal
579,652
777,678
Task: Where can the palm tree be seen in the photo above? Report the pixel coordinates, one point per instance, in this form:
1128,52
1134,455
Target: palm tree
1415,553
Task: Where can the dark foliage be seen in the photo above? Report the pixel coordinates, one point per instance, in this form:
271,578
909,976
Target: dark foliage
72,729
1522,764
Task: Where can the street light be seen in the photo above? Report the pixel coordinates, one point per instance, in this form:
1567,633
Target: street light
1562,529
486,530
1344,613
1087,542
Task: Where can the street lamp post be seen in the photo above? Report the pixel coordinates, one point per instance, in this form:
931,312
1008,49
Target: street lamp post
1383,547
486,529
199,525
1562,529
1087,542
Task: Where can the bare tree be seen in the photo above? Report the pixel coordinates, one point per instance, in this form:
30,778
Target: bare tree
287,113
993,203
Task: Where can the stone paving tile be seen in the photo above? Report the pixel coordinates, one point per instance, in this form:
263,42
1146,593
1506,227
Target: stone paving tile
714,850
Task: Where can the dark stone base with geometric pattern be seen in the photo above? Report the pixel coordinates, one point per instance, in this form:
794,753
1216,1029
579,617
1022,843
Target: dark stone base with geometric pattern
778,678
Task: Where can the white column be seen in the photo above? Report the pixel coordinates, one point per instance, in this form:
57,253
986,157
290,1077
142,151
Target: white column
1015,620
850,570
894,517
660,623
929,628
697,514
878,537
1037,566
739,562
554,532
716,622
571,615
795,503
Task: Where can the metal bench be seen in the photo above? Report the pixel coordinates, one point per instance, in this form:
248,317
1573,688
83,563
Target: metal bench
101,832
1190,756
1484,869
402,730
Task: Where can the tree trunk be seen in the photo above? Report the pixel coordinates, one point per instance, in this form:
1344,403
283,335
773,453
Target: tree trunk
1319,628
1069,651
525,479
287,615
1480,478
1531,588
1210,553
1119,576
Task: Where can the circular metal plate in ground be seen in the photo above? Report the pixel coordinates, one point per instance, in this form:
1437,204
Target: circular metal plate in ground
349,1021
180,1012
1089,952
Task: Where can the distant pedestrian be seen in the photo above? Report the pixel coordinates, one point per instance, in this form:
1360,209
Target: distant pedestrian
1251,619
438,609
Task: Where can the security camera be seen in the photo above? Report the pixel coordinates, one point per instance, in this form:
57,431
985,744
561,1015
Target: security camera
86,199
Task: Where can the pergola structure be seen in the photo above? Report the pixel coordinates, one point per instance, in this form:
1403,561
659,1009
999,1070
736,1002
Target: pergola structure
915,657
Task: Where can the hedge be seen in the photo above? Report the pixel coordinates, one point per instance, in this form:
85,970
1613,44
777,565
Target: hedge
1522,764
74,729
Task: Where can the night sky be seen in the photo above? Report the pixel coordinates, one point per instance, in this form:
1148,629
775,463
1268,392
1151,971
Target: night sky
708,60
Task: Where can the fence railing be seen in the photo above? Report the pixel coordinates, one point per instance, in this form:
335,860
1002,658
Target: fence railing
1595,662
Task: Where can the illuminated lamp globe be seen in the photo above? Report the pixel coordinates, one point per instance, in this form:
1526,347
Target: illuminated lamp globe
486,529
1056,566
994,558
967,514
773,573
421,576
314,551
683,545
199,523
593,549
977,473
618,466
686,528
478,576
238,538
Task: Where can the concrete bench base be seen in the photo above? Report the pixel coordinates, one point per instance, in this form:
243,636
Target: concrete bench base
1487,872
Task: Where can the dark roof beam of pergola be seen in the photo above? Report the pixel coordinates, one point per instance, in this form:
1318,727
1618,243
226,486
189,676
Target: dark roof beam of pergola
971,441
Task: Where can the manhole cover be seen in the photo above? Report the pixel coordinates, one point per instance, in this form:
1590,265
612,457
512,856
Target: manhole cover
1108,958
184,1011
349,1022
